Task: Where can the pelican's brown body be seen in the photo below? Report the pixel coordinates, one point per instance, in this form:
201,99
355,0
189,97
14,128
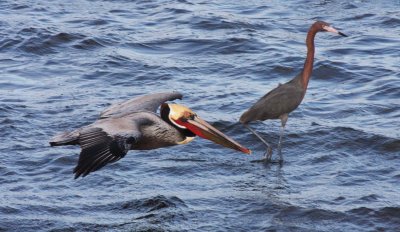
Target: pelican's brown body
134,125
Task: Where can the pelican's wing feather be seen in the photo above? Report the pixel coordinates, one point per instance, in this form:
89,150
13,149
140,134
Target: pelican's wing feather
149,102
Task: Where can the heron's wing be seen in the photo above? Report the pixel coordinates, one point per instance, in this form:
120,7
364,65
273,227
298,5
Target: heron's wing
105,142
149,102
281,100
291,87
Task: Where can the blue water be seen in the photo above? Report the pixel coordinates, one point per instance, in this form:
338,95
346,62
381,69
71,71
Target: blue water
62,63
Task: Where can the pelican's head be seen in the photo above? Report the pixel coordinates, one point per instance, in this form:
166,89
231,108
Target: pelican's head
323,26
185,119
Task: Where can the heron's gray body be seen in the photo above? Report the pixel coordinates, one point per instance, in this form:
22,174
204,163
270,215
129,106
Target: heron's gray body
283,99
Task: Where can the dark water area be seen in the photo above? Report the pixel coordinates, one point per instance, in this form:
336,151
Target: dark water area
62,63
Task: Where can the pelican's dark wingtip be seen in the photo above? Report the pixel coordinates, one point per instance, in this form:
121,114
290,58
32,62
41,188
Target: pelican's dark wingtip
77,173
340,33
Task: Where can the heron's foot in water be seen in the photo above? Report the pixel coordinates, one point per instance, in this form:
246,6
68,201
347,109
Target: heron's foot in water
268,153
263,160
267,157
266,161
280,160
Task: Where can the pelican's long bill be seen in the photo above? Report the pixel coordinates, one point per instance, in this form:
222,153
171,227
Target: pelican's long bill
185,118
205,130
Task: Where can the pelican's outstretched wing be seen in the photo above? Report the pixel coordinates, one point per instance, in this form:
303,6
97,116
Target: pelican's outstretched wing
99,149
149,102
106,141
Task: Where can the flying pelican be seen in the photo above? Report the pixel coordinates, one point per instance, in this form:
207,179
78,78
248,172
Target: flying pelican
134,125
279,102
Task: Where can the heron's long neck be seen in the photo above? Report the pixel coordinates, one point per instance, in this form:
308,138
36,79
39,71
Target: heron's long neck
308,64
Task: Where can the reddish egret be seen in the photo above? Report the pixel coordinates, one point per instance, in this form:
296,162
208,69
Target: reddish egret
279,102
133,125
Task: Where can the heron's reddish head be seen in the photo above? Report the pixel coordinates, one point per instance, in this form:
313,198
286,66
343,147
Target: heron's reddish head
323,26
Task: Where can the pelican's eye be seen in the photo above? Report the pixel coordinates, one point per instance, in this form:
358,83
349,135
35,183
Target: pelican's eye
191,117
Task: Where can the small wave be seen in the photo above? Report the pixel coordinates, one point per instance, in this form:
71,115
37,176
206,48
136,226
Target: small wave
124,11
377,40
349,6
391,22
16,6
89,44
185,160
344,141
90,22
391,145
63,37
154,203
98,22
218,23
240,45
296,216
385,91
387,217
156,213
178,10
359,17
328,70
198,47
255,10
42,42
7,44
36,42
369,198
173,46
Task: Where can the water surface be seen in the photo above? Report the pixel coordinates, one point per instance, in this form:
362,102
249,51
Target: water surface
62,63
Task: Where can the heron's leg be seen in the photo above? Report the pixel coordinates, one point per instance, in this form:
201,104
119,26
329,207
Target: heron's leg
268,153
280,143
284,119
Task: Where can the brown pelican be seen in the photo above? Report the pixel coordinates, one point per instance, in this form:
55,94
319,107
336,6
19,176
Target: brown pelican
279,102
134,125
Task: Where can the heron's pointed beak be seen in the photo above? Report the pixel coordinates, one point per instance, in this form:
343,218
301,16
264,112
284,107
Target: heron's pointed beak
205,130
333,30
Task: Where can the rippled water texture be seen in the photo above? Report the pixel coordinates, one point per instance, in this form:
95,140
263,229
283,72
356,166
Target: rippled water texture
61,63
